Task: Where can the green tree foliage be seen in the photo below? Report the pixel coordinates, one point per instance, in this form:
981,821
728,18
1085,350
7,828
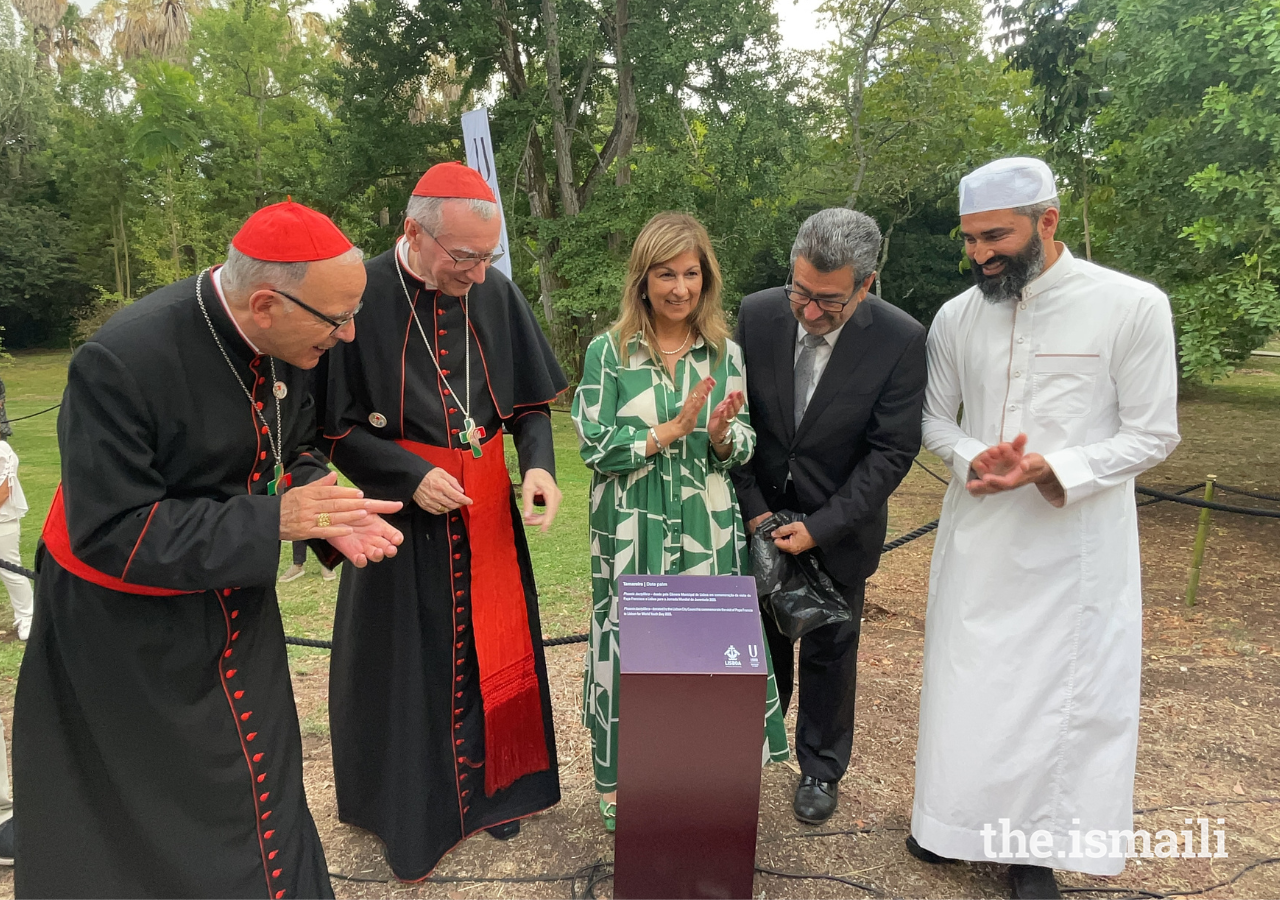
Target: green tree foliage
1191,154
136,138
1054,40
38,287
914,102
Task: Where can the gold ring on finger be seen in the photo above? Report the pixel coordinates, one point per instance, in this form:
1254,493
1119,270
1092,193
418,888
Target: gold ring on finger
322,520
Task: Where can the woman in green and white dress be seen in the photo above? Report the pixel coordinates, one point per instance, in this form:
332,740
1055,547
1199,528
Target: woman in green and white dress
661,417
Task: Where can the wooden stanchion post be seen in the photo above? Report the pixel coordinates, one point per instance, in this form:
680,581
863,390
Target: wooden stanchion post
1202,535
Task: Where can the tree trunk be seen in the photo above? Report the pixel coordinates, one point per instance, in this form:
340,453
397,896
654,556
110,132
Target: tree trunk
115,256
562,141
124,240
884,255
628,112
1084,207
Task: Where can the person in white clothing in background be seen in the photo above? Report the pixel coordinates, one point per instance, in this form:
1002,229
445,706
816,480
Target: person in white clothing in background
13,506
1067,375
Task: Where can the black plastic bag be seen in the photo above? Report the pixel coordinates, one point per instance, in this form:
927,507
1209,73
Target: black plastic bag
795,590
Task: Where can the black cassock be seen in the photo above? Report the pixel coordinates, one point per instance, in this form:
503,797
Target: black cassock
405,708
155,742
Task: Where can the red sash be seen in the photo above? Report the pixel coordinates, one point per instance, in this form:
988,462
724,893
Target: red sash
58,542
515,739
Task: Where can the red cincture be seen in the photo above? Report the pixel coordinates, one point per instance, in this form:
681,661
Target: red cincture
58,542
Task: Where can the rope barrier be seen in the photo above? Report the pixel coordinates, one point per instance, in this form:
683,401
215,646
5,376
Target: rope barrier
12,567
1257,495
1180,491
1158,497
1209,504
33,415
910,536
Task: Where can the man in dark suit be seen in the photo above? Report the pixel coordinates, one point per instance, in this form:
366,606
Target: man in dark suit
835,384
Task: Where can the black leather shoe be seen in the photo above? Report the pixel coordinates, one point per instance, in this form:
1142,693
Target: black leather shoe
933,859
506,831
815,800
1033,883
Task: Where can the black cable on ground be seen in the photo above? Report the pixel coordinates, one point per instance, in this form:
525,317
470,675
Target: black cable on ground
814,876
33,415
1138,894
1191,804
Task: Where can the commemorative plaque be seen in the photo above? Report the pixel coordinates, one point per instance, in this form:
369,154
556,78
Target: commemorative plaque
690,736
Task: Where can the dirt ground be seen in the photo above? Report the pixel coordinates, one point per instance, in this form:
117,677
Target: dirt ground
1210,733
1209,739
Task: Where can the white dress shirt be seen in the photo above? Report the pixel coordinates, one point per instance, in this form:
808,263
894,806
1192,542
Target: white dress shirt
1033,635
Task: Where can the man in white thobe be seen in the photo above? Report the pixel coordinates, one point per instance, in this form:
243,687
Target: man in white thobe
1067,375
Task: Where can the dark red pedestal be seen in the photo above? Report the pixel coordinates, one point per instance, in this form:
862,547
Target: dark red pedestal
689,742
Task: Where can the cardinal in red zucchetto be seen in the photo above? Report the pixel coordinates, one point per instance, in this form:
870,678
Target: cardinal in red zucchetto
156,743
438,699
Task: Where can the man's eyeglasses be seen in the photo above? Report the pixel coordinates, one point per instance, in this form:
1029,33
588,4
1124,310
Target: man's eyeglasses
466,263
800,299
338,324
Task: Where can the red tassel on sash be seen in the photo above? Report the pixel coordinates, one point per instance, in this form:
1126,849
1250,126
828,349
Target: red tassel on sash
515,738
58,542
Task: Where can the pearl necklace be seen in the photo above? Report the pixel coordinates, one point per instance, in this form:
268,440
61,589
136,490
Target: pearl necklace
687,339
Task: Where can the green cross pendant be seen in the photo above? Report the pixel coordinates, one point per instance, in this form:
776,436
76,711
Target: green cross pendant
472,435
280,482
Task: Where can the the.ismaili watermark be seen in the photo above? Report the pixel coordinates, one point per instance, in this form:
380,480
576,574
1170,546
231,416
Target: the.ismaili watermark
1096,843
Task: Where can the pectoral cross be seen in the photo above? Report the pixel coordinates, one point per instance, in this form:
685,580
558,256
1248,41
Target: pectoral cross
281,482
472,435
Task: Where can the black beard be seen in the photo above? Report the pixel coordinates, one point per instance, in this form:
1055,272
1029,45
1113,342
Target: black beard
1019,271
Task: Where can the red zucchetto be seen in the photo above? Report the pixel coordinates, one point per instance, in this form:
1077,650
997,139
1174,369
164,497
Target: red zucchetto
290,233
453,180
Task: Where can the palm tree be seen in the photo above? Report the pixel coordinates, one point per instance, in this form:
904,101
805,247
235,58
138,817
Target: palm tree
145,28
41,18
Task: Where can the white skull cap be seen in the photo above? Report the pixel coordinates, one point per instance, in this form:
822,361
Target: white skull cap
1006,184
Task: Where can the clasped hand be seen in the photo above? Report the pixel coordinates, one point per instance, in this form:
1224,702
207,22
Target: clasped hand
1007,466
439,492
355,526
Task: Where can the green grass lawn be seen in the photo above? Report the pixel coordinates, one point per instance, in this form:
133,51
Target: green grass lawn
561,558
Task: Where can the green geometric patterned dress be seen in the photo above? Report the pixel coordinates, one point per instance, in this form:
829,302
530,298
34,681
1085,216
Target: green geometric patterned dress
673,513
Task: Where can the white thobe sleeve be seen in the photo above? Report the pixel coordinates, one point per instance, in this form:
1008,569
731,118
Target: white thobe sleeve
942,436
1145,369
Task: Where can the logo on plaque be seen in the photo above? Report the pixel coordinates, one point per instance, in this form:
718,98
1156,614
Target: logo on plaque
753,651
731,657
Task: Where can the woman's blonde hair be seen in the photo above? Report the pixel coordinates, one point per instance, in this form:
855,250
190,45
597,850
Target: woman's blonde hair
665,236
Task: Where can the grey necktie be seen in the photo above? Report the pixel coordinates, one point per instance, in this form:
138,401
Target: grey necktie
804,372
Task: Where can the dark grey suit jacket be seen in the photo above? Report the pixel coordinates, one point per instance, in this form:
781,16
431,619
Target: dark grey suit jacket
859,434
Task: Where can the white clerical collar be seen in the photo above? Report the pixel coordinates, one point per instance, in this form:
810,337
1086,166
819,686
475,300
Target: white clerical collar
1050,277
216,277
830,337
402,254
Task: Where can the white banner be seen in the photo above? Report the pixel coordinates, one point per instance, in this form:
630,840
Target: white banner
475,136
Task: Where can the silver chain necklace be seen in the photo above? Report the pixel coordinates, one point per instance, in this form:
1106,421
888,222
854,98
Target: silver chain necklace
273,441
471,434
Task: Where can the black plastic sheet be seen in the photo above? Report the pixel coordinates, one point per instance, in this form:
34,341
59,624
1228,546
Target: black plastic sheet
795,590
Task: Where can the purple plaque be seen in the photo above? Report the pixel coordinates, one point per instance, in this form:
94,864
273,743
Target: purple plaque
689,625
690,739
